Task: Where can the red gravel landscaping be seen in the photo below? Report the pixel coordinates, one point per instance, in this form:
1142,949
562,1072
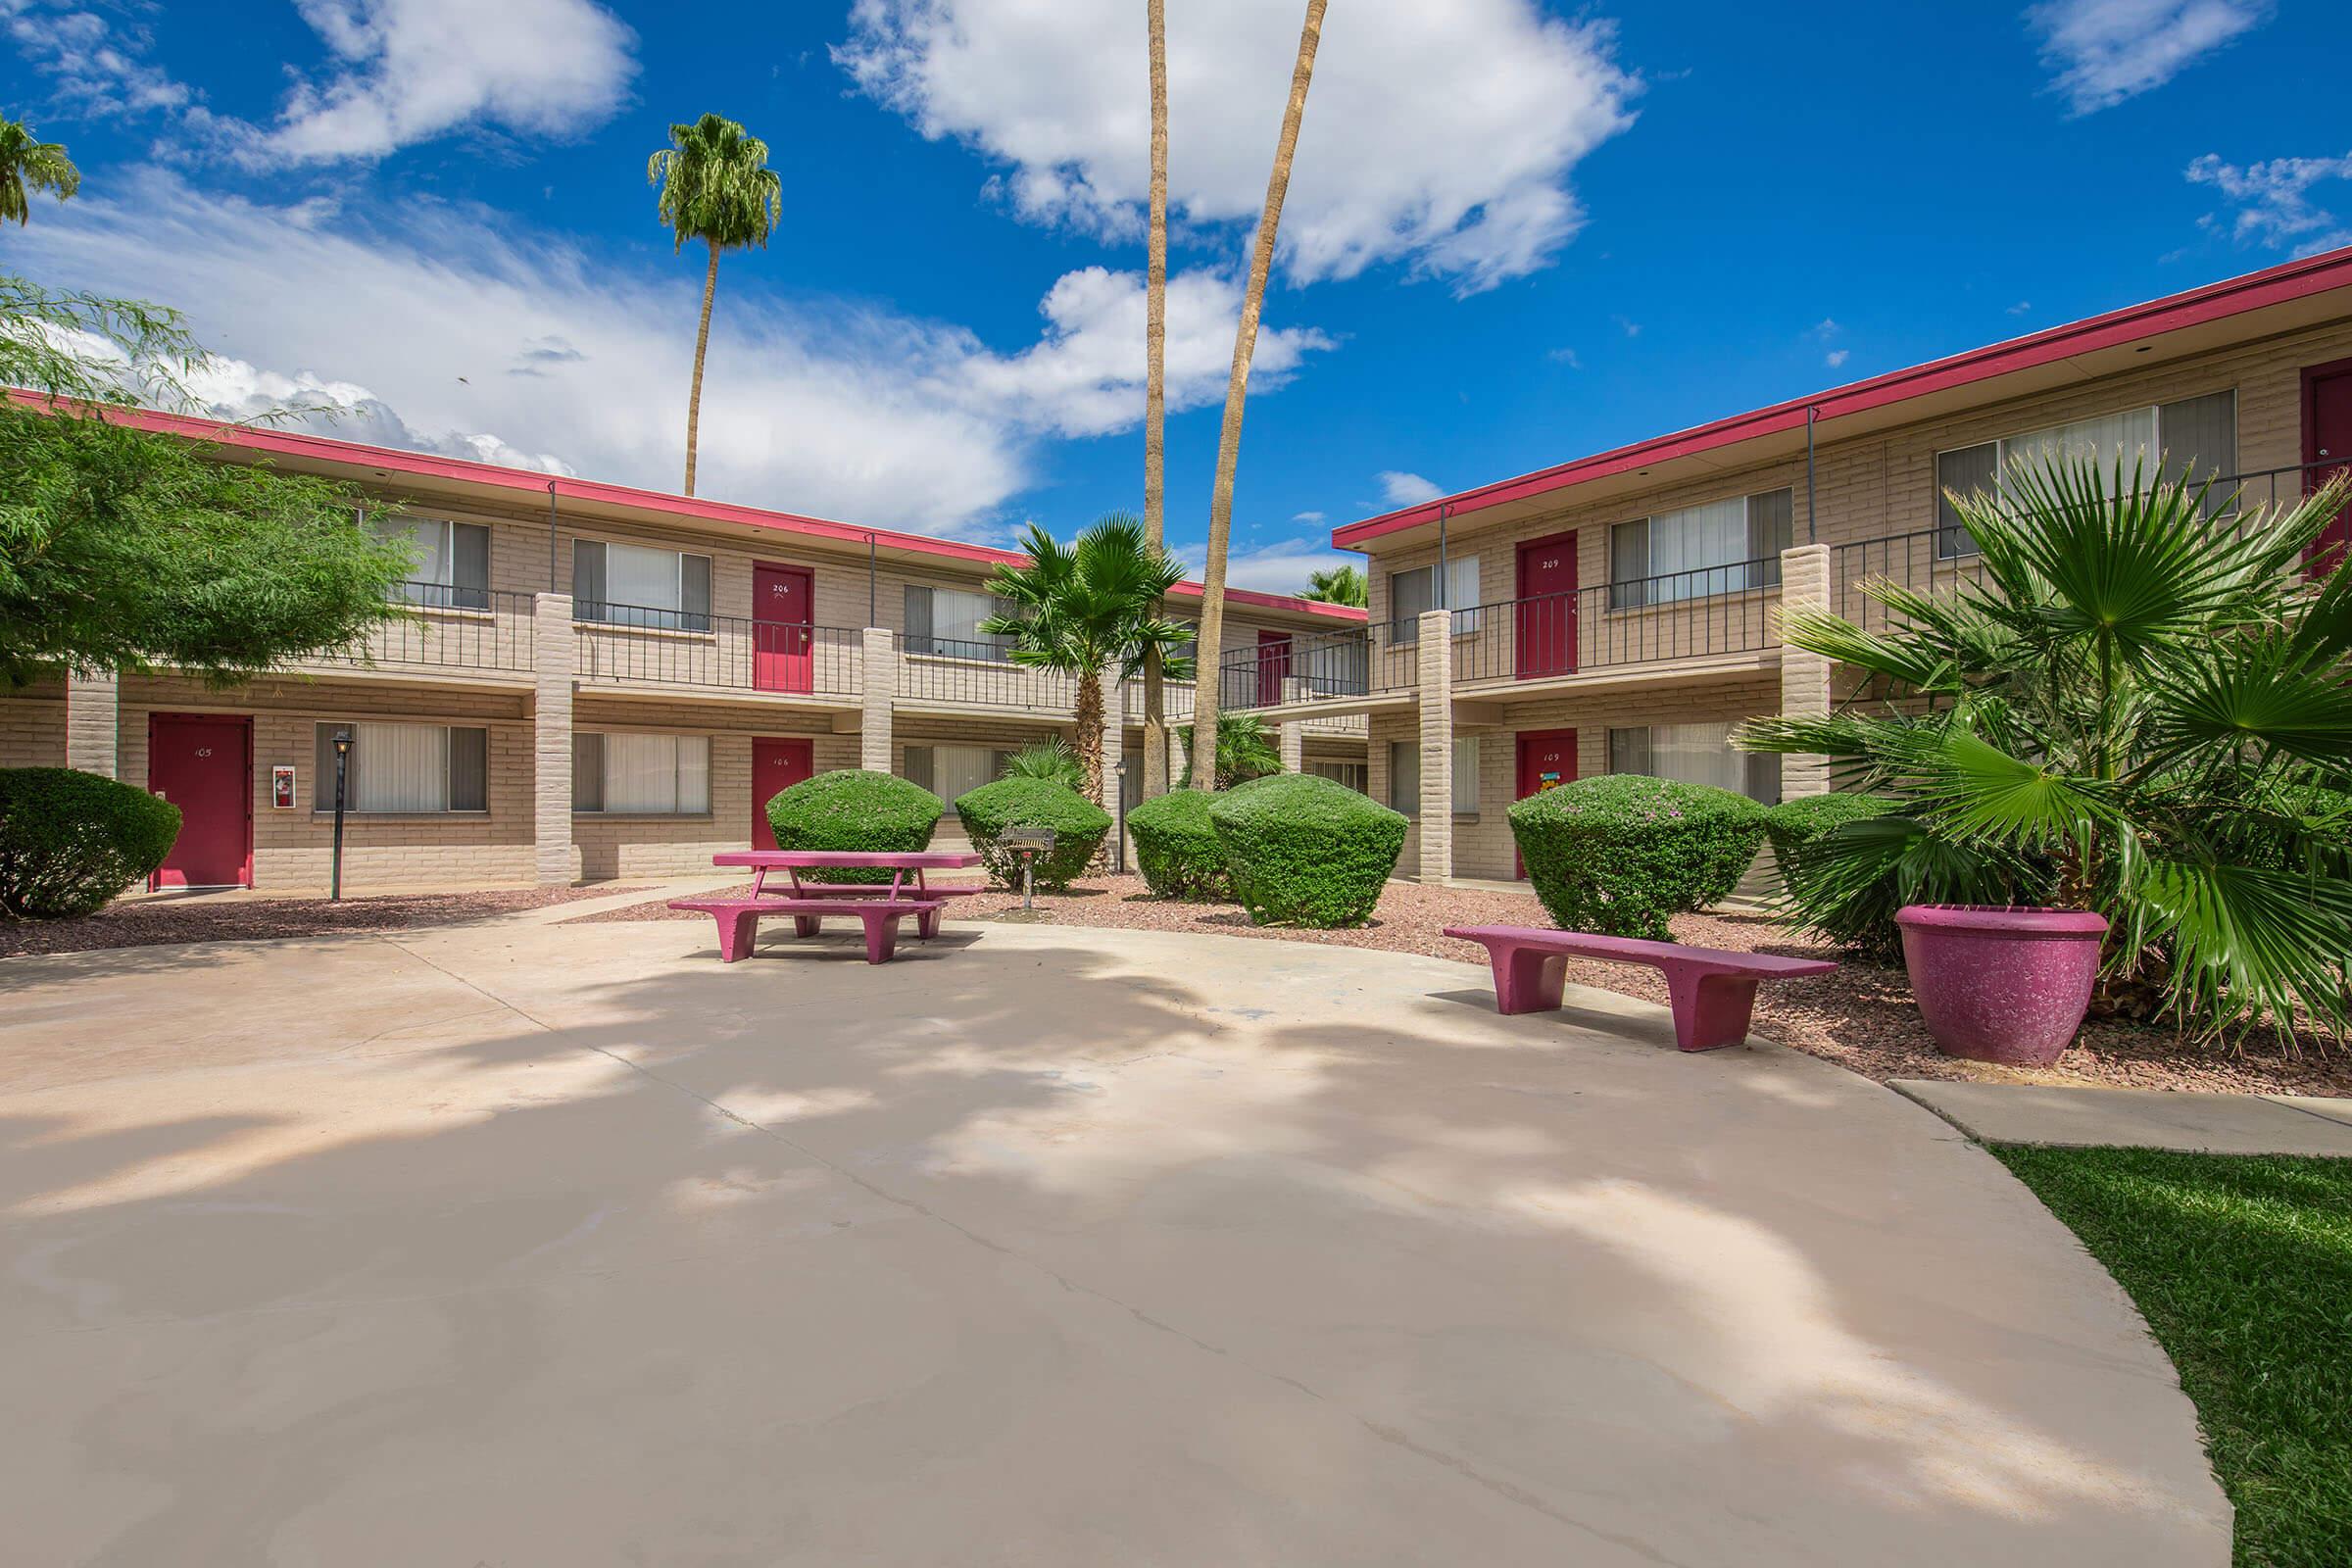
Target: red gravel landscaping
200,918
1861,1017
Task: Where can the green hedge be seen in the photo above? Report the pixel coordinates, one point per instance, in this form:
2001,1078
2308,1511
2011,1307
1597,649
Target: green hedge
1792,824
1079,827
1176,847
1621,853
1305,851
71,841
850,809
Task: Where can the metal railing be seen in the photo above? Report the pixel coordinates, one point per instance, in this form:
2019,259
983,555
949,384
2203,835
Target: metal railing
1707,612
1317,667
1176,700
985,681
441,628
633,644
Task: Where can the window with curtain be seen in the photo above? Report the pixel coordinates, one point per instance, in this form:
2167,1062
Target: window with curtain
949,771
405,769
637,585
2195,438
945,622
1404,776
1696,753
453,561
1720,547
1356,775
617,771
1413,593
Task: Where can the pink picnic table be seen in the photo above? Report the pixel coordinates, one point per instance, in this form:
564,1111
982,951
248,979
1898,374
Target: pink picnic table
879,908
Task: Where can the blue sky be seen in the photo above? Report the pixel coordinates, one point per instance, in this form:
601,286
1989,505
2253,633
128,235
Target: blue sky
1517,233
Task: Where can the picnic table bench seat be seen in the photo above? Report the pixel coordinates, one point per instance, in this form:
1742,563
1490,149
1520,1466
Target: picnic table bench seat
1712,990
739,919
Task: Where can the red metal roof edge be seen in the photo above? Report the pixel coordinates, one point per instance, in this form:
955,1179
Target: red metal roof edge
468,471
2210,302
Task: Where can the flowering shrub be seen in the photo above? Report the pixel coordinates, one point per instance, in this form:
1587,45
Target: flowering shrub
1619,854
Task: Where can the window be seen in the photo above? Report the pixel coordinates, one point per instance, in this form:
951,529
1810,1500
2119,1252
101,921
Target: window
1696,753
949,771
1411,593
453,561
635,585
945,622
1357,776
403,767
2196,437
1404,776
1722,547
642,775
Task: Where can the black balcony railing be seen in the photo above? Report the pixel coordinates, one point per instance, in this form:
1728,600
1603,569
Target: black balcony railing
1176,700
933,670
1707,612
635,645
441,628
1317,667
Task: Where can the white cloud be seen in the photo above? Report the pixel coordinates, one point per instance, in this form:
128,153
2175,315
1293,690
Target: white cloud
1630,328
2021,307
1439,136
1837,357
93,71
455,331
1401,489
1284,568
2105,51
1310,518
1567,357
2273,200
232,389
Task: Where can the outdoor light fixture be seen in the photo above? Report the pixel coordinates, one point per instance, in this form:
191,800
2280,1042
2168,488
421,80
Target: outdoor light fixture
334,890
1119,773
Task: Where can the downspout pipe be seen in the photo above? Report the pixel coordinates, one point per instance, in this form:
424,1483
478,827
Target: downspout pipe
1444,507
870,600
1812,411
550,536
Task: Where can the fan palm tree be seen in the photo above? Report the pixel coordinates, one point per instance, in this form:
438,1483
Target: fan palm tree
1246,750
1237,388
715,188
2142,707
1155,388
1088,608
1048,758
1340,585
29,163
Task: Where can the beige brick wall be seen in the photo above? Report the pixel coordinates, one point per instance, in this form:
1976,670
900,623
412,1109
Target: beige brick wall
32,726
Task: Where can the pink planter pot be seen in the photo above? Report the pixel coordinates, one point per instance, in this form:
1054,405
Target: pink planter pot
2001,985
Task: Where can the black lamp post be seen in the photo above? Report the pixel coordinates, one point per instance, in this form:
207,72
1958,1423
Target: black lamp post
1119,773
342,784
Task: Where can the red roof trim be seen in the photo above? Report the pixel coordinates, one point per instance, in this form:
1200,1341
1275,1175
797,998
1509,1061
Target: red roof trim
465,470
2212,302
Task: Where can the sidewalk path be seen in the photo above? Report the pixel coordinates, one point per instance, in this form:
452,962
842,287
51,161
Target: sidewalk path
2141,1118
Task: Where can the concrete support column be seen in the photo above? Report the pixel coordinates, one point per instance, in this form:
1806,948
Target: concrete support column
1434,666
555,860
1294,747
1115,739
1804,677
878,692
93,724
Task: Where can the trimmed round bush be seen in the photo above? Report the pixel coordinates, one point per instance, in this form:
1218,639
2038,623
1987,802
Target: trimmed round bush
850,809
71,841
1305,851
1176,847
1079,827
1619,854
1792,824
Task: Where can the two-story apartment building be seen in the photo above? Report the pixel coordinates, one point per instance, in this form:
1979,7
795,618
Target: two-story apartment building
592,681
1621,612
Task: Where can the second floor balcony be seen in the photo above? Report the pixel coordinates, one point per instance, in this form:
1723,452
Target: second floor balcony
638,646
444,632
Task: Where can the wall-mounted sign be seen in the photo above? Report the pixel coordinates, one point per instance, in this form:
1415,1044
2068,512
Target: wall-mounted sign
281,786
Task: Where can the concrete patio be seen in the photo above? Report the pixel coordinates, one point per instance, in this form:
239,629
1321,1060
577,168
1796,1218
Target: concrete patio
531,1244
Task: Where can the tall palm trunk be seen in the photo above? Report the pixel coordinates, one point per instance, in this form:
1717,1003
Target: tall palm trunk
1229,439
702,346
1089,753
1156,399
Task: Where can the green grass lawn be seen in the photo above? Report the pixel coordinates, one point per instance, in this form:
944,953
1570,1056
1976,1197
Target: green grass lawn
2242,1264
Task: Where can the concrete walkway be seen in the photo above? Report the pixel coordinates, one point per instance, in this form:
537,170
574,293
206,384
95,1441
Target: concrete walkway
563,1245
2139,1118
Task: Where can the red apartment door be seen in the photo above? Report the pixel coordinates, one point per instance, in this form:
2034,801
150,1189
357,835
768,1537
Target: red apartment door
782,655
1545,615
1273,665
776,765
1547,757
2327,440
203,764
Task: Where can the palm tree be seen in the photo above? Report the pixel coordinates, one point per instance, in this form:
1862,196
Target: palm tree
29,163
1246,750
715,188
1048,758
1340,585
2143,708
1155,398
1229,438
1088,608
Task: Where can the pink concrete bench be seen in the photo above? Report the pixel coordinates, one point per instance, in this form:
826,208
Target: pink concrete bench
739,919
1713,991
927,927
